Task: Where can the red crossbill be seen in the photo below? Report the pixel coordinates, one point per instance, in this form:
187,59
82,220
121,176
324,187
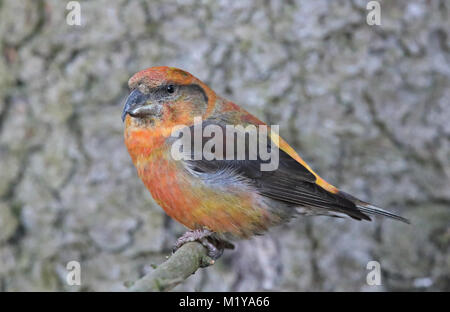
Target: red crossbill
220,199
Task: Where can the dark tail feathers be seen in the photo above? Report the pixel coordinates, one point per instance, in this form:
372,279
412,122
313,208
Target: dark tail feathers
369,209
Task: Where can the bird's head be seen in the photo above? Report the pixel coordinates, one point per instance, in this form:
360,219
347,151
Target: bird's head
168,95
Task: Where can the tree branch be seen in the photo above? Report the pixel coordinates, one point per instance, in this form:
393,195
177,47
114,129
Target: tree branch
182,264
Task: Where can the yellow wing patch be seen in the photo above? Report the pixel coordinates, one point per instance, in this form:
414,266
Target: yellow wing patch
282,144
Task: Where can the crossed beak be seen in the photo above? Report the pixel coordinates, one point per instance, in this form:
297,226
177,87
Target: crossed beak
135,101
138,105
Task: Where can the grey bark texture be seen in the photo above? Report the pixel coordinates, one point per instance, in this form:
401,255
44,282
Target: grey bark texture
366,106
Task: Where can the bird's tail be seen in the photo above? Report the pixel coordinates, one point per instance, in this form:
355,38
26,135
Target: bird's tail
369,209
372,210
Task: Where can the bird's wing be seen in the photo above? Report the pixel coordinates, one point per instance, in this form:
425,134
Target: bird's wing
291,183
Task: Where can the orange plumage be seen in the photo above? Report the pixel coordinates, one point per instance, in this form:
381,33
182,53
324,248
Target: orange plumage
231,200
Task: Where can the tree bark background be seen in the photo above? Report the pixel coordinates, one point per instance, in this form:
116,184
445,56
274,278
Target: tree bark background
367,106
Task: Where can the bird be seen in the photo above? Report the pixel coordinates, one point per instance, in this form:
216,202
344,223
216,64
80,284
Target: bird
220,199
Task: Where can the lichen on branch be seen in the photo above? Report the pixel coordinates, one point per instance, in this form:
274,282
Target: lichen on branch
182,264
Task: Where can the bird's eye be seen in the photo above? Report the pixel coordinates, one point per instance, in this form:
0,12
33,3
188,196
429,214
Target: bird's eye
170,89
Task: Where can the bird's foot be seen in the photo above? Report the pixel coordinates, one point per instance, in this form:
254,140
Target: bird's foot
191,236
214,246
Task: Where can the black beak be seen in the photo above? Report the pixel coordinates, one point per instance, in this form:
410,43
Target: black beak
135,100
